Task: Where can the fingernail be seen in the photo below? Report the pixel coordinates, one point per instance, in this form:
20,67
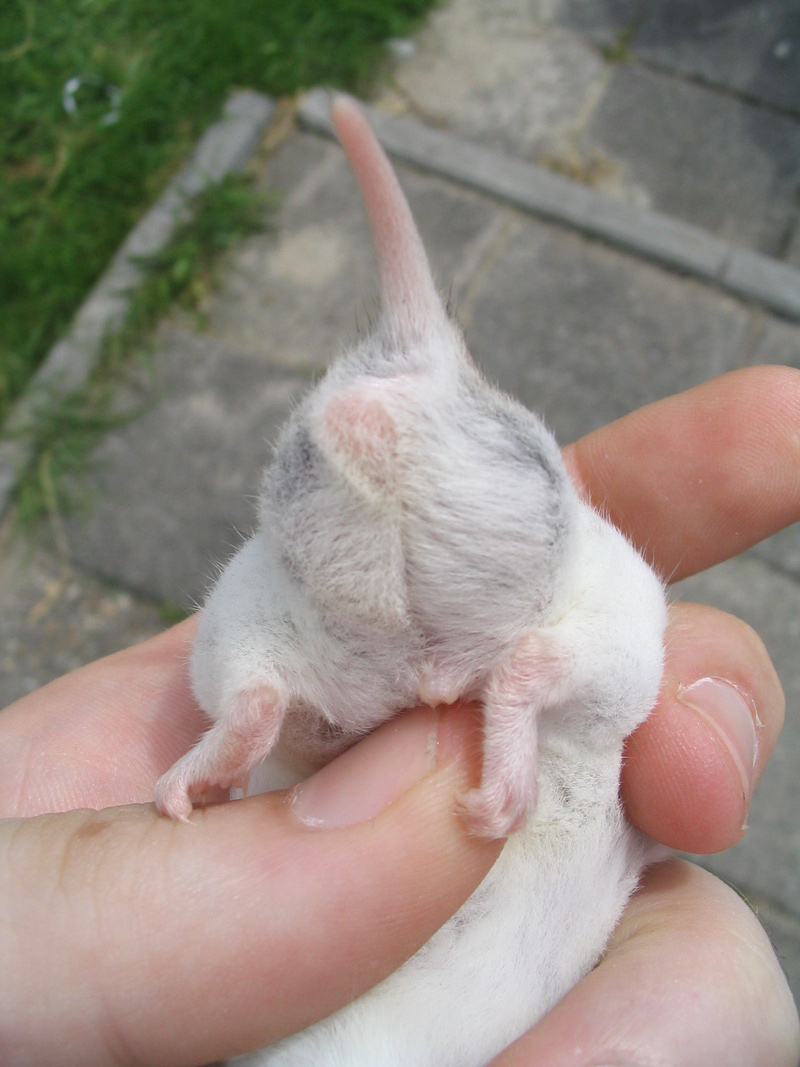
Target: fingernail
724,707
365,780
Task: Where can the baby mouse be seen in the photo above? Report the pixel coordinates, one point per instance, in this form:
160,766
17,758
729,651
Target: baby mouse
419,540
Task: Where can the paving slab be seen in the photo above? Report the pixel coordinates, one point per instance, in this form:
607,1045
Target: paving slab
606,22
792,253
752,49
707,157
774,341
584,334
541,81
782,550
503,74
296,298
56,618
172,491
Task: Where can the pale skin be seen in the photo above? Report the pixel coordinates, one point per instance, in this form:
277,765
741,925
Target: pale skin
127,938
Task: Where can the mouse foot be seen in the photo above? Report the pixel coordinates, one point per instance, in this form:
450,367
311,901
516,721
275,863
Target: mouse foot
243,736
497,810
172,796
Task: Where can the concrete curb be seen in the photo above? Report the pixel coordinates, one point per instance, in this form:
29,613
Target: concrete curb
668,241
225,147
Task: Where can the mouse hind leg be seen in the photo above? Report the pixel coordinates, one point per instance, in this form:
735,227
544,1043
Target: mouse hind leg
242,737
532,676
590,662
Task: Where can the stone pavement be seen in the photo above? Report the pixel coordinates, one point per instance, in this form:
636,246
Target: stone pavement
690,109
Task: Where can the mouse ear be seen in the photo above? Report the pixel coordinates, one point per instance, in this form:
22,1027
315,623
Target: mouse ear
361,434
410,299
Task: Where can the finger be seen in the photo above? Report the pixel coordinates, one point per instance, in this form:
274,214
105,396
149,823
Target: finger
130,938
687,949
698,477
691,767
101,735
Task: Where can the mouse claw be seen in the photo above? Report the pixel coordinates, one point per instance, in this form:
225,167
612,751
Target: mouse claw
240,784
437,684
225,755
172,797
498,812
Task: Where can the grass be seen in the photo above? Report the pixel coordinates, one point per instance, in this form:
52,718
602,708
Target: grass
64,431
619,50
72,185
184,272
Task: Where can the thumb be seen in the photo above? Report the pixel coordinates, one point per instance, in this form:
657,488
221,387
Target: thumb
129,938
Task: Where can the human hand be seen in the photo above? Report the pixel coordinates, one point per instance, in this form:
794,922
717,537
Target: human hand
129,938
689,978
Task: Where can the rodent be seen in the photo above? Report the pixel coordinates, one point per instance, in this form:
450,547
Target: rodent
419,540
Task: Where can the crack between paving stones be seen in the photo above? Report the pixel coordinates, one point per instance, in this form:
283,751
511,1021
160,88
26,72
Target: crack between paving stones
742,96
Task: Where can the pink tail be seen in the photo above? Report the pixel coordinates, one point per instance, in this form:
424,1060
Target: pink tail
410,299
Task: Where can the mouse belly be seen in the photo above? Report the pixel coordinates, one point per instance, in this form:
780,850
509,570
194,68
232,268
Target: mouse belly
520,942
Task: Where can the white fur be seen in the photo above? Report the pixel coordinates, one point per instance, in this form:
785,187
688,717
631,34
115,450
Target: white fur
419,539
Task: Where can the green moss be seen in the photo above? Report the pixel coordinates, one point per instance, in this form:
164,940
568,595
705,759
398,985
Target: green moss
619,51
66,429
186,269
